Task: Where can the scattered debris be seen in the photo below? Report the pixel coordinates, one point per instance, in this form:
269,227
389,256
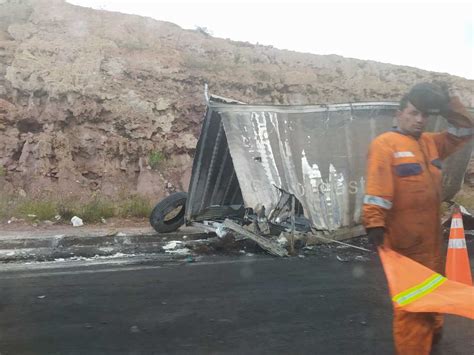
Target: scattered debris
220,230
172,245
268,245
282,240
176,247
76,221
57,217
341,259
41,297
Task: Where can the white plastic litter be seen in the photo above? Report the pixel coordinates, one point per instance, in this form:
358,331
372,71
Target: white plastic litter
76,221
175,247
172,245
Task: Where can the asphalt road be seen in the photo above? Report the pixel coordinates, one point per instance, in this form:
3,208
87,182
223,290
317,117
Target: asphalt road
233,305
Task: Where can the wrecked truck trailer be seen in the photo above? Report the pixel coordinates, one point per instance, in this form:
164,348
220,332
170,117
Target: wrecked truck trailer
289,168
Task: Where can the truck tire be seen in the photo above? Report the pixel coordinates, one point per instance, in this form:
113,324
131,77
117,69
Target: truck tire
168,214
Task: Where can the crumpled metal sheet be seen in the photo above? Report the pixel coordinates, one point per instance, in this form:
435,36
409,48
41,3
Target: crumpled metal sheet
317,153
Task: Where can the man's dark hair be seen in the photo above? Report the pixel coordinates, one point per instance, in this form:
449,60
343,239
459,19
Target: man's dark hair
426,97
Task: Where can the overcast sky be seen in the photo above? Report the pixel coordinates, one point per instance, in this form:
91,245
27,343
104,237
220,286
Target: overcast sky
437,36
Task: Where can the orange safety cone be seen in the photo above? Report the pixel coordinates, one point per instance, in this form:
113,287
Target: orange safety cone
457,261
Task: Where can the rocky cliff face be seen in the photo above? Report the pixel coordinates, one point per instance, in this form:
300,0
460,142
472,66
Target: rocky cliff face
87,96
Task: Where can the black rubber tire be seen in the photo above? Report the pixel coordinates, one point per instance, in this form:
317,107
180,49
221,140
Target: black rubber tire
158,216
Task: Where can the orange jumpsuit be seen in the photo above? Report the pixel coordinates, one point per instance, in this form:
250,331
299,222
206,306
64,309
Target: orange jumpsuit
403,195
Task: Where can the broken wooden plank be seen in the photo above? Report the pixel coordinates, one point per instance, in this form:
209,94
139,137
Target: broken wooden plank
266,244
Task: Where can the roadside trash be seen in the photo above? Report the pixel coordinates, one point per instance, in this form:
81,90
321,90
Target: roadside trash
176,247
342,260
57,217
41,297
172,245
31,216
76,221
102,219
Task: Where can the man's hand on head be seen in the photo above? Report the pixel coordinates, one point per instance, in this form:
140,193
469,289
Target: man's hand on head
430,98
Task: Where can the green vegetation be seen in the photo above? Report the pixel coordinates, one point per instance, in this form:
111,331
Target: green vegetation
91,210
36,209
95,210
156,159
3,171
135,206
465,198
4,209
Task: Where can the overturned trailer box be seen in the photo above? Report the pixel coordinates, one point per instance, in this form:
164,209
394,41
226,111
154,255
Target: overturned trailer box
249,157
295,167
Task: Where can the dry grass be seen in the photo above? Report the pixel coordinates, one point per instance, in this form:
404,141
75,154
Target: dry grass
90,211
465,197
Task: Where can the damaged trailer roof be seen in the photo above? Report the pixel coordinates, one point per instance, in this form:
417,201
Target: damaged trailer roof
246,153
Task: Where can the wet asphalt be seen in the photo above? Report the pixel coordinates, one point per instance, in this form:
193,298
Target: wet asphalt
210,305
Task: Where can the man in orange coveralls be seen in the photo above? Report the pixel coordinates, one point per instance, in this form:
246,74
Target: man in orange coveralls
403,195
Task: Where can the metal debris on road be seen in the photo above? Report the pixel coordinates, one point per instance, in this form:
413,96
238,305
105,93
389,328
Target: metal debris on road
268,245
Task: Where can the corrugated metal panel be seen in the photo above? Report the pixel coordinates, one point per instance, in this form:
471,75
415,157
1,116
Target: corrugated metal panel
213,181
317,153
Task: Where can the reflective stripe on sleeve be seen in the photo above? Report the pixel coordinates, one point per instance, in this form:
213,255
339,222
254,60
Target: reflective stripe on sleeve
460,131
403,154
378,201
420,290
